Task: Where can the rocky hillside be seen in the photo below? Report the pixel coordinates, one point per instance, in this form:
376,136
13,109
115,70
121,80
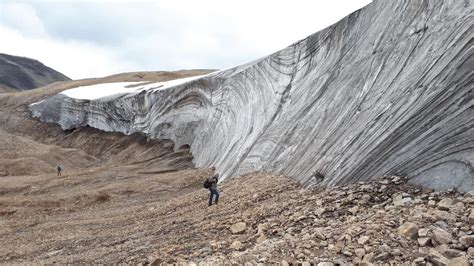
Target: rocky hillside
112,215
387,90
21,73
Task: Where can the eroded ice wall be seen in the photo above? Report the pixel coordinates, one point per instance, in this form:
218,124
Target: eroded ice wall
387,90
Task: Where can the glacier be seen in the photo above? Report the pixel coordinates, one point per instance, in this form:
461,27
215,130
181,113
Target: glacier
388,90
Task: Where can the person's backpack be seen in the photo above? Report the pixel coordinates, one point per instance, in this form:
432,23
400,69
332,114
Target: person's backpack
207,183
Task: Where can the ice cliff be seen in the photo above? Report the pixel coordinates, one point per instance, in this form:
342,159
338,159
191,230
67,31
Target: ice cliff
387,90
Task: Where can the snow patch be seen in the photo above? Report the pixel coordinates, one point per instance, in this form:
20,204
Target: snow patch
102,90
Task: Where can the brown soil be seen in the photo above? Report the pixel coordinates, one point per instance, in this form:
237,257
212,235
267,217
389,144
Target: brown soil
120,173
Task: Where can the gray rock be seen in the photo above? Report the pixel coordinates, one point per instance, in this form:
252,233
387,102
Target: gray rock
325,264
238,228
423,241
437,258
441,236
453,253
471,218
470,252
460,261
400,200
359,252
237,245
361,99
382,256
419,260
319,211
423,232
368,257
363,240
467,241
408,230
444,215
445,204
354,210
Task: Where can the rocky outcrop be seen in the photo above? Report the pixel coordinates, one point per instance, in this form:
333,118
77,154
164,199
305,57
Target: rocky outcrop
21,73
387,90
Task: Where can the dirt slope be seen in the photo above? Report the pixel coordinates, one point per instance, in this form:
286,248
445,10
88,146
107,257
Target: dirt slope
92,160
108,215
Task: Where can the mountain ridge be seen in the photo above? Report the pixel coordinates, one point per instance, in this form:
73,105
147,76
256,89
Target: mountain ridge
23,73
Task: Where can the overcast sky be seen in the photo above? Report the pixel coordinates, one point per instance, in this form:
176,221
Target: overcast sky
85,39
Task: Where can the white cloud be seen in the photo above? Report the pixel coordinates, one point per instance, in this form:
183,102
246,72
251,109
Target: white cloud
72,58
22,16
88,39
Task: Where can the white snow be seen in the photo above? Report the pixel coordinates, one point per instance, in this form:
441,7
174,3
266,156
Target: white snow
99,90
37,103
102,90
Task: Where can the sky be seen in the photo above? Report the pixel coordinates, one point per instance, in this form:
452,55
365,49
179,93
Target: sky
84,39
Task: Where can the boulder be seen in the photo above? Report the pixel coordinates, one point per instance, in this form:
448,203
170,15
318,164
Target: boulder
325,263
261,228
470,252
423,241
382,256
460,261
445,204
471,218
437,258
354,210
408,230
238,228
444,215
441,236
423,232
467,241
363,239
399,200
237,245
261,238
359,252
369,257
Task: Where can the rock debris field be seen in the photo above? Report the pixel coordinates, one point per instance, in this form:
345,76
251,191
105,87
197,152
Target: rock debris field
262,218
386,221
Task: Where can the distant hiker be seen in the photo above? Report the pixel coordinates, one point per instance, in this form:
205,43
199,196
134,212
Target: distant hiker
211,184
59,169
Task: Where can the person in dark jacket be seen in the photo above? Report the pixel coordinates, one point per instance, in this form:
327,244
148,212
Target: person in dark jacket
213,189
59,169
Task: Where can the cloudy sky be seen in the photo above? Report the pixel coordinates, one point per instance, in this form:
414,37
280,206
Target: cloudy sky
89,38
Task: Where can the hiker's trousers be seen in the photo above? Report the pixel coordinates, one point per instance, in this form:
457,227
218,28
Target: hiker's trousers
213,192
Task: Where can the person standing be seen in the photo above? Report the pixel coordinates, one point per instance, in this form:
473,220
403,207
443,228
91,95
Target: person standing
59,169
213,189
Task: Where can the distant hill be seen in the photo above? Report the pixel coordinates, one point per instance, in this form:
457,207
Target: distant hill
21,73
